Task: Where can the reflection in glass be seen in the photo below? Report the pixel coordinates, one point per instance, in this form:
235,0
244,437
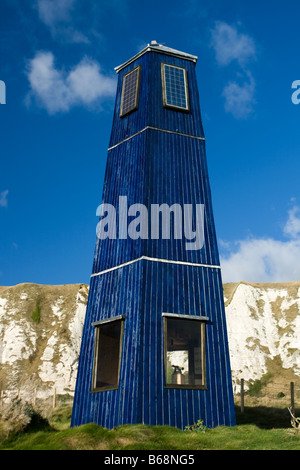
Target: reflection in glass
184,352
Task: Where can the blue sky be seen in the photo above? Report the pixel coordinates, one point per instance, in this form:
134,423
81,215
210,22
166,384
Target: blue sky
57,61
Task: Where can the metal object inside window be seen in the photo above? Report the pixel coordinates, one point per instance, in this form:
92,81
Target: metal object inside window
184,353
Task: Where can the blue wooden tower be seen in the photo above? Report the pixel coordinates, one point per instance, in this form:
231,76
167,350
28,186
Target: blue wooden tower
154,347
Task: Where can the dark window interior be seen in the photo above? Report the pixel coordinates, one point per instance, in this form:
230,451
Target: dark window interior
107,355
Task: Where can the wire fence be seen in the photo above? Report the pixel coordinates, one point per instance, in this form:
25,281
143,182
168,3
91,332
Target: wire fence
251,393
35,397
273,394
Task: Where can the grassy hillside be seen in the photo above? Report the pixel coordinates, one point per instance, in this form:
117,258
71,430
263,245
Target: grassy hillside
245,436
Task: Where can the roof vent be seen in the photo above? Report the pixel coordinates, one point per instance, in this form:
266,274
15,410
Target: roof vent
154,43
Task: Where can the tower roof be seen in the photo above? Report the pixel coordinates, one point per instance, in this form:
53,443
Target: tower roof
156,47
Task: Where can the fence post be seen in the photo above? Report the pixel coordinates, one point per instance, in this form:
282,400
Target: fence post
292,385
242,396
54,398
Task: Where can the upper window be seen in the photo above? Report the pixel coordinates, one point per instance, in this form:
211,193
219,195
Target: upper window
175,89
130,91
107,354
184,351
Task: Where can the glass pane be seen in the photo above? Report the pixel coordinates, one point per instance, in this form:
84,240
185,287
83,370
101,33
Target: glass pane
184,358
108,355
175,87
130,87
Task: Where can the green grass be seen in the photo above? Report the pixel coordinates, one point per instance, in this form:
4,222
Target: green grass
36,314
142,437
272,431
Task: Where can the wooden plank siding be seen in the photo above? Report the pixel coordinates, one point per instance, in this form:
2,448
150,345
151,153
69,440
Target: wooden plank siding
154,166
143,292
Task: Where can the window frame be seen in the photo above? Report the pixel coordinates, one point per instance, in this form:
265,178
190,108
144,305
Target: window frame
203,322
137,91
98,325
164,90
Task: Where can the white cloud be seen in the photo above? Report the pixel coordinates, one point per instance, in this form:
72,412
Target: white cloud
239,99
52,12
292,227
57,15
59,91
265,260
231,45
3,198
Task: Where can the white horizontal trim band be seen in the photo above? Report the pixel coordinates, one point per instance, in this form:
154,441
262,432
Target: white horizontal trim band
185,263
156,129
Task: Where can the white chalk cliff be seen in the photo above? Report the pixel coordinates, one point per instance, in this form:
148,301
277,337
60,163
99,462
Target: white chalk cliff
41,352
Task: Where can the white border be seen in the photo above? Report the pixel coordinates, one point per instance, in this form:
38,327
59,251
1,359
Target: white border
158,260
156,129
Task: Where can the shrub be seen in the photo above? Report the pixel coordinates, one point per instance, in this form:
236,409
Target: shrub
198,427
254,388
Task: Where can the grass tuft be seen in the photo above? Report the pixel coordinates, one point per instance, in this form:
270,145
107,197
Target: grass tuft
36,314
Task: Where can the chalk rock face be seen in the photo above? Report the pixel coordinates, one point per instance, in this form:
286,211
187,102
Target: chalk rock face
41,329
263,322
40,336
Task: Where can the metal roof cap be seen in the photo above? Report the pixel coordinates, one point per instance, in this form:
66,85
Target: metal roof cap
156,47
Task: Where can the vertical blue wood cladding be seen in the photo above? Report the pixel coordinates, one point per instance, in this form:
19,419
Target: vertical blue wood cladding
150,111
156,167
181,407
151,168
113,294
143,291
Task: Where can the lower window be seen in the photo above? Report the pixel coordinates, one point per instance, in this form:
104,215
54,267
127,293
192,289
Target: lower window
184,352
107,354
